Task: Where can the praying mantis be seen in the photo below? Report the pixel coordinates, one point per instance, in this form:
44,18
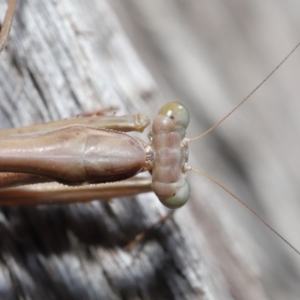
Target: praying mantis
83,35
91,151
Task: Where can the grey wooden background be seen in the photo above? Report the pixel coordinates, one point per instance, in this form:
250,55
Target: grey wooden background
67,56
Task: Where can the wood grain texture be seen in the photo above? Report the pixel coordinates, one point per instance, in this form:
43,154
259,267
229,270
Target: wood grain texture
67,56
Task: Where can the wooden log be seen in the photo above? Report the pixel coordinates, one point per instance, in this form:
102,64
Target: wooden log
65,57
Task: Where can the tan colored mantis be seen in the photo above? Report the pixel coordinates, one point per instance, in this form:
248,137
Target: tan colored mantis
43,171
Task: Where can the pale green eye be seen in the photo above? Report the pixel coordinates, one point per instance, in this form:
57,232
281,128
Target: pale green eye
180,198
176,112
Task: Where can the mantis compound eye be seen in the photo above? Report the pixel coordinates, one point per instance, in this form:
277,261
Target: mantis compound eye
176,112
181,196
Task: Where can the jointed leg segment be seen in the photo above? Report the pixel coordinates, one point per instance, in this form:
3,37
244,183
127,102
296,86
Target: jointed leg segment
7,23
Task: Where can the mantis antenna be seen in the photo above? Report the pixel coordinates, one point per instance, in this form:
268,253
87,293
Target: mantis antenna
186,141
245,205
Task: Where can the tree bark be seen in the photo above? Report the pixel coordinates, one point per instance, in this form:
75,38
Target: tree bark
65,57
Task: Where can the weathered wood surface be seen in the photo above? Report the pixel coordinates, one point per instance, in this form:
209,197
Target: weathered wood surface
67,56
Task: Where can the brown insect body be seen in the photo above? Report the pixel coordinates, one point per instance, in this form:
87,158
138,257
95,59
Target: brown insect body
74,155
